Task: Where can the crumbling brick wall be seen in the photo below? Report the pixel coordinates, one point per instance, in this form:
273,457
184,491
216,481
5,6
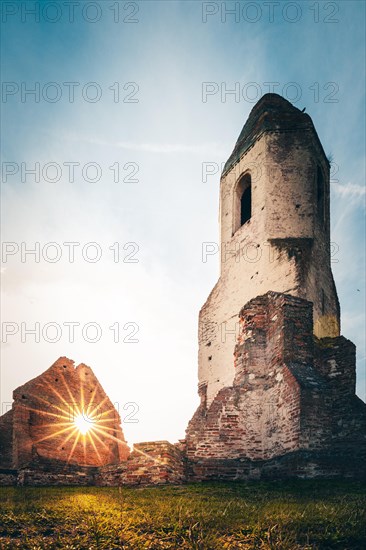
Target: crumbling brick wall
282,401
335,359
41,425
291,411
285,241
150,463
6,440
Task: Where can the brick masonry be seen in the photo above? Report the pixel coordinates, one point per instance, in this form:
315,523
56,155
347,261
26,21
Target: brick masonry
40,426
276,379
150,463
292,409
284,242
291,412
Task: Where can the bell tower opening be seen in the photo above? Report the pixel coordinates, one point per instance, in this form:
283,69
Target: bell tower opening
243,199
246,205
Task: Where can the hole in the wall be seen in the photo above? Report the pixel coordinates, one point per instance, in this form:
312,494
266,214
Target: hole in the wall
210,357
243,202
24,397
208,344
56,379
65,366
297,206
246,206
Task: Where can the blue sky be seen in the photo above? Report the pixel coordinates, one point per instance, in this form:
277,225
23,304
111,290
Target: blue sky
163,138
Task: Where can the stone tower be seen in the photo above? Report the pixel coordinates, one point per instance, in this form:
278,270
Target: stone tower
275,232
276,380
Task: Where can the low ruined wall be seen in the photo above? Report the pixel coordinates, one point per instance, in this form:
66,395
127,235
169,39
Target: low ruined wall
6,440
8,477
52,474
155,462
299,464
291,412
151,463
111,475
37,478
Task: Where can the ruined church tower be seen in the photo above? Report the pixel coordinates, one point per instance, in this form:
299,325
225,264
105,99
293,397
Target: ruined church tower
276,379
274,229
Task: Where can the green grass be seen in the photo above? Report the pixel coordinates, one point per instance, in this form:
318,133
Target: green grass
291,515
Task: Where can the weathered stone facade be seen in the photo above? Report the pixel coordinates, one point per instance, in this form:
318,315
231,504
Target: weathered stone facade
293,395
276,380
151,463
285,244
40,444
41,428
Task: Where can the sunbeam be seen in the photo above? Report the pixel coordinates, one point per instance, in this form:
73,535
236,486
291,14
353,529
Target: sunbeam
84,423
78,423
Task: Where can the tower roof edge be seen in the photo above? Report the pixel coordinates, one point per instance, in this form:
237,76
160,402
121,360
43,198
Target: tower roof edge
271,113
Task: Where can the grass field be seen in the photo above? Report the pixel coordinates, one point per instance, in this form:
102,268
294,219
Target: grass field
301,514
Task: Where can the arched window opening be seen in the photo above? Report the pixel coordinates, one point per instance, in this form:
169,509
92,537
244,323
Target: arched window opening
320,195
243,202
246,205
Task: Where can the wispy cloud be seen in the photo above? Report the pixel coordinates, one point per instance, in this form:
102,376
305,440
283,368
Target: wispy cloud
349,190
160,148
172,148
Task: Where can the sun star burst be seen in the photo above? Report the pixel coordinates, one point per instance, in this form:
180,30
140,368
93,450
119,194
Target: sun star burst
84,423
79,422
